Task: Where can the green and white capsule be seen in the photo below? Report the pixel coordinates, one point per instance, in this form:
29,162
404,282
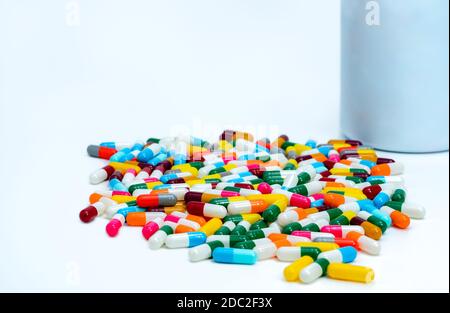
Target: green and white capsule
261,233
241,229
327,215
410,209
227,240
314,271
226,228
308,189
159,238
204,251
290,254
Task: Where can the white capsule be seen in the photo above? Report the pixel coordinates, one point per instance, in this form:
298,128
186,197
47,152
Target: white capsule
310,273
266,250
288,254
290,181
112,210
199,253
413,210
369,245
351,206
214,210
98,176
314,187
157,240
288,217
239,207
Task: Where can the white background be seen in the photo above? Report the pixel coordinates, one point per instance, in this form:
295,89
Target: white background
138,69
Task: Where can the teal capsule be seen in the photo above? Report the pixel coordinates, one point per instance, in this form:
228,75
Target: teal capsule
234,256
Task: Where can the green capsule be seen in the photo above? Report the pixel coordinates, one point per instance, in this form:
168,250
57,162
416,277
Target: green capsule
377,222
231,188
340,220
271,213
311,227
300,189
217,170
310,251
289,228
248,244
358,171
226,228
197,164
324,263
221,201
255,181
334,213
212,180
267,174
258,225
399,195
255,234
235,239
289,166
153,140
167,229
275,181
338,192
241,228
132,203
264,158
394,205
287,144
303,178
134,187
215,244
354,179
236,218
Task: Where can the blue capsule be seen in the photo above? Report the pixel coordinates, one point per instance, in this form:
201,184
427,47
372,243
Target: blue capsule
234,256
117,185
130,209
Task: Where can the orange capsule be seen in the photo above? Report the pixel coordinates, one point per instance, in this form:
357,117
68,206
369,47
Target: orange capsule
183,229
247,206
399,219
334,200
142,218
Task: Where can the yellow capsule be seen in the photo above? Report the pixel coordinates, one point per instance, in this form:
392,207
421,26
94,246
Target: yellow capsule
299,148
291,272
350,272
122,199
118,166
269,198
337,146
349,215
323,246
293,162
195,182
229,166
350,192
367,151
211,226
179,207
224,145
213,176
251,217
153,184
310,211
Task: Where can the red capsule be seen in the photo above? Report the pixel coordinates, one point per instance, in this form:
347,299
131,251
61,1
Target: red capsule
372,191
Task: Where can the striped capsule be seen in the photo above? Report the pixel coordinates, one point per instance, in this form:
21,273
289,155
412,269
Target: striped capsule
160,200
365,243
206,209
185,240
204,251
290,254
234,256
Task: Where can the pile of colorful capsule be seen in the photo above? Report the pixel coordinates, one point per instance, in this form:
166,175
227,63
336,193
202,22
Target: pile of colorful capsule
241,201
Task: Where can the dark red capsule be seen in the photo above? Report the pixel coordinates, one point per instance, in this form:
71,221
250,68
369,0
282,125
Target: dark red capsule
88,214
117,174
193,196
372,191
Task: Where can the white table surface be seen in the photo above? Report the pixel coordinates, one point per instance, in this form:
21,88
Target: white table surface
132,70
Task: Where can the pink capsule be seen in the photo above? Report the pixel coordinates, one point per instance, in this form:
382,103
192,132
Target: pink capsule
265,188
152,227
341,231
114,225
